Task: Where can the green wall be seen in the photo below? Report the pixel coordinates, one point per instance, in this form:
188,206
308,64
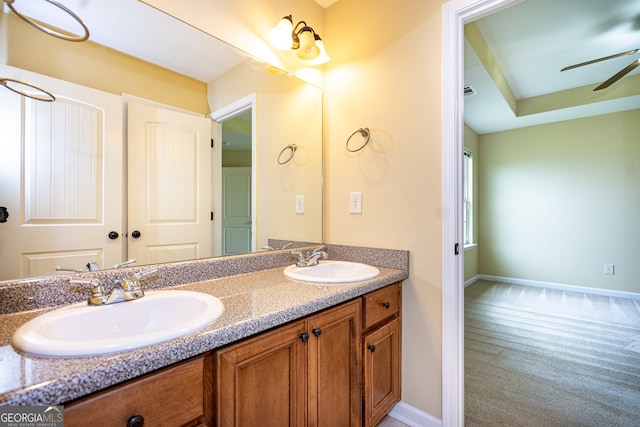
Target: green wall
558,201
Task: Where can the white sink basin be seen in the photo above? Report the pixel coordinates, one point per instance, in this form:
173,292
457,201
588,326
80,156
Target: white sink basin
332,272
83,330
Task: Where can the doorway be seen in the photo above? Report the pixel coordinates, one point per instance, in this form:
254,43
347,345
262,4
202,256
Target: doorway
234,178
456,14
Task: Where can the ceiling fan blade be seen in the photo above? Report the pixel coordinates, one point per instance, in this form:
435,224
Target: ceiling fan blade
604,58
619,75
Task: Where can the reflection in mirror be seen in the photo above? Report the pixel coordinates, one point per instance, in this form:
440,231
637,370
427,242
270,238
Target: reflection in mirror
120,166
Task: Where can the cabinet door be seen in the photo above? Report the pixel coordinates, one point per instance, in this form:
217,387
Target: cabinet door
262,381
334,366
381,371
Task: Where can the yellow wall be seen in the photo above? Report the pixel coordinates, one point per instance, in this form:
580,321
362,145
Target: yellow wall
385,74
92,65
558,201
288,111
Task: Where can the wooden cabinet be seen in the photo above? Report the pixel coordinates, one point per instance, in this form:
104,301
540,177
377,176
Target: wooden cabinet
303,374
381,352
180,395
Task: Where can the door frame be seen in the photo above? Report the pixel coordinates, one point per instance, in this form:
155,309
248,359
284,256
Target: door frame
225,113
455,14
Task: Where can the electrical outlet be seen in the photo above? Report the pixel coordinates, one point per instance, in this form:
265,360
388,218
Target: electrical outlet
609,269
299,204
355,202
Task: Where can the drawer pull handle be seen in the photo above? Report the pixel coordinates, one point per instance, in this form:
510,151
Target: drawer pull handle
386,304
135,421
371,348
316,331
304,337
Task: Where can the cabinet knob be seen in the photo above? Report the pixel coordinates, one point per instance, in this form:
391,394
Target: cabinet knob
135,234
135,421
316,331
386,304
113,235
304,337
371,348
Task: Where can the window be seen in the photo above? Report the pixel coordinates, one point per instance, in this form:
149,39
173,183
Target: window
467,194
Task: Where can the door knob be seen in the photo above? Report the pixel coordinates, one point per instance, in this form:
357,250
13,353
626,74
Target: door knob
135,234
113,235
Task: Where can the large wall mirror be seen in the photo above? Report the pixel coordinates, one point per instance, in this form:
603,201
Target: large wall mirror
122,164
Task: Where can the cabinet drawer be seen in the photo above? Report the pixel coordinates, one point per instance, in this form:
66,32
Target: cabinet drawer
381,305
171,397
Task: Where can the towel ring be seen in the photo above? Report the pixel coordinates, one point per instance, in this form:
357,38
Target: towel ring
365,134
290,147
51,31
46,96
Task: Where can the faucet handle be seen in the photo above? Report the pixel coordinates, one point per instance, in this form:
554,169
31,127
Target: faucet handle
97,295
123,264
148,272
300,255
131,286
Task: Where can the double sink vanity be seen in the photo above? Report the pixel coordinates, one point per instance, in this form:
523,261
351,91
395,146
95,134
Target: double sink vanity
241,340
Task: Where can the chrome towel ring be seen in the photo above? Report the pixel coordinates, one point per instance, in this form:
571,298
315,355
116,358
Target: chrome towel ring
41,95
51,31
291,148
364,132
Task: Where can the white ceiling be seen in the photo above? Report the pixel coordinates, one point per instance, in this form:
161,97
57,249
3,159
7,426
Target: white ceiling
325,3
533,40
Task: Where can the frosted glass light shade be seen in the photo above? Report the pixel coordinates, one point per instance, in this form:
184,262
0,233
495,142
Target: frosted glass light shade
308,49
323,57
280,35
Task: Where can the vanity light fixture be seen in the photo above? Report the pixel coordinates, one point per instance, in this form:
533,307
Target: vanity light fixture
300,37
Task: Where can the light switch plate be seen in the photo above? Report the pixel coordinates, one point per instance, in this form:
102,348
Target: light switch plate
355,202
299,205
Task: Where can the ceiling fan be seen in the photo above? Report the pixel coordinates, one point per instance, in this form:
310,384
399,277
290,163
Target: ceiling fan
616,76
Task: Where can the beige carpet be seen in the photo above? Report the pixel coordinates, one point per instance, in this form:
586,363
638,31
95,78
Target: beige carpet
541,357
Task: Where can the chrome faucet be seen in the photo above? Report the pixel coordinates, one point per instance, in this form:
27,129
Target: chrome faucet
128,289
312,258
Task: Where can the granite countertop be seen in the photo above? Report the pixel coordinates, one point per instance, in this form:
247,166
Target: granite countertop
254,302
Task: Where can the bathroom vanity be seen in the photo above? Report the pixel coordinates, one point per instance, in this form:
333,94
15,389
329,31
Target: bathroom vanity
284,352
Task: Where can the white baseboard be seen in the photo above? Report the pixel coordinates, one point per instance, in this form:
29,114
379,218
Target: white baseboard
471,281
413,417
559,286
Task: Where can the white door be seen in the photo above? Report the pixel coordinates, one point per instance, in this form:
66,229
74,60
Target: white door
60,178
169,176
236,210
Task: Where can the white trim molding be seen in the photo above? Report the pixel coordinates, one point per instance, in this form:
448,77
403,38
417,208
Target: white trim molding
559,286
455,14
413,417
